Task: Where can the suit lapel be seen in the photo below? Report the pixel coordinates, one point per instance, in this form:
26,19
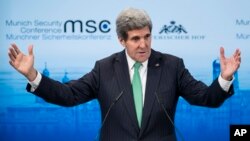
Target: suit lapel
122,73
153,78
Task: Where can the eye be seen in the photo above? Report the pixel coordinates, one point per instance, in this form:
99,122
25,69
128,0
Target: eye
136,38
147,36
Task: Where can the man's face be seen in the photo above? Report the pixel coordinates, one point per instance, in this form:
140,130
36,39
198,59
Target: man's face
138,44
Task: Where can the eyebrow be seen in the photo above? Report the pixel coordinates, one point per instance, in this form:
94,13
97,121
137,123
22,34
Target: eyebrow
137,37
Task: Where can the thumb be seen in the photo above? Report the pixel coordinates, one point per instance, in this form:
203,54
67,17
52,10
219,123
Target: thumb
222,53
30,49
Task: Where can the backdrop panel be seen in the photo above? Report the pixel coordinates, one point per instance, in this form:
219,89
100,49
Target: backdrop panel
69,36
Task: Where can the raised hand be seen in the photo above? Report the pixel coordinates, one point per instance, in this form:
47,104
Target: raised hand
229,65
21,62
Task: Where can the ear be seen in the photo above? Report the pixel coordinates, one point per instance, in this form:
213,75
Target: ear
122,41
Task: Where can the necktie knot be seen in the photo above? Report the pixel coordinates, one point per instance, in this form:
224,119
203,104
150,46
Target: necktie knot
137,65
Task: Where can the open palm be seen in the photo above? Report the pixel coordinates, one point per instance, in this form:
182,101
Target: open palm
21,62
229,65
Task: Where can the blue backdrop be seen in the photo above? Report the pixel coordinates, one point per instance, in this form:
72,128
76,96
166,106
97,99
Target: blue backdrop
69,36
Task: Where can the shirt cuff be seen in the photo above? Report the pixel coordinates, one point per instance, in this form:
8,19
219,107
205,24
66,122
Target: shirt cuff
225,84
34,84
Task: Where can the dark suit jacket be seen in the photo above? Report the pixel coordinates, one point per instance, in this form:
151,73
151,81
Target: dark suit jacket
167,77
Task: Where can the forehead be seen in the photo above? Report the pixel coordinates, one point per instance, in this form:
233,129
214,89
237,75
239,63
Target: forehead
138,32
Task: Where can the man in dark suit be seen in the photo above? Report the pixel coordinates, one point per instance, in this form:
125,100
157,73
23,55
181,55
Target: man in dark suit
137,88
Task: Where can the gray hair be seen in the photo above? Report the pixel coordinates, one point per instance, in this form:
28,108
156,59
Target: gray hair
130,19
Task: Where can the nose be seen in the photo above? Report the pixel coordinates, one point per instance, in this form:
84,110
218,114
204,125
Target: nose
143,43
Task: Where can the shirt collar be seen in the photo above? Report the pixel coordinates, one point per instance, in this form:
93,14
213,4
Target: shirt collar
131,62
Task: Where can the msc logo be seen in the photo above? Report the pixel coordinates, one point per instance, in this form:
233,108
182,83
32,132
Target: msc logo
173,28
89,26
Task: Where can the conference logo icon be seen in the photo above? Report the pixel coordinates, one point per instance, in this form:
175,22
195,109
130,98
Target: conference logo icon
173,28
176,31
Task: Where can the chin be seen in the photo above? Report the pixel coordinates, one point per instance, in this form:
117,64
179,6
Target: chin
142,59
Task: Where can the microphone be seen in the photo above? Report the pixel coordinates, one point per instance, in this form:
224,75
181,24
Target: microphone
107,114
166,113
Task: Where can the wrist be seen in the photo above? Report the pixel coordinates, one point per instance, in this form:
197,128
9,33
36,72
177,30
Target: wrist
228,78
31,76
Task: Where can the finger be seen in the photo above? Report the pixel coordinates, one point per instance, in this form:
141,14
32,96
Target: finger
238,59
11,63
11,57
237,50
30,49
238,64
222,53
16,48
18,60
237,53
13,52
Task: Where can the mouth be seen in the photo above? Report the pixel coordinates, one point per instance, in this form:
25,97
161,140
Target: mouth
142,52
141,56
